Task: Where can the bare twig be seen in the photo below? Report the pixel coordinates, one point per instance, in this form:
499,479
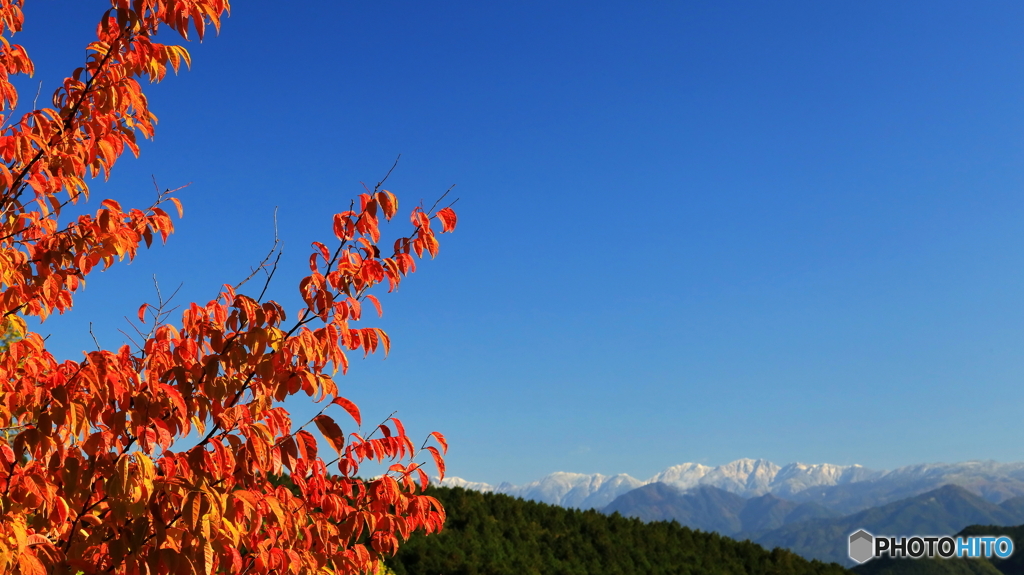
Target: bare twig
274,248
438,201
124,333
36,99
393,166
270,276
381,424
160,312
94,340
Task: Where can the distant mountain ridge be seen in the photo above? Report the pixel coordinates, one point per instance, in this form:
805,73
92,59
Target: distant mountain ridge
712,509
943,511
810,529
574,490
842,488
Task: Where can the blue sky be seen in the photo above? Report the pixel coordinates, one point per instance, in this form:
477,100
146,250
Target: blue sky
688,231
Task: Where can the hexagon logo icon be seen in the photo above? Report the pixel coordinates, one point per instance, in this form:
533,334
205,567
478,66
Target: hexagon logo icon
861,544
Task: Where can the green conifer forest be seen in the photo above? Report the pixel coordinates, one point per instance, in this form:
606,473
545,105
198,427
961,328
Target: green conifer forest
489,534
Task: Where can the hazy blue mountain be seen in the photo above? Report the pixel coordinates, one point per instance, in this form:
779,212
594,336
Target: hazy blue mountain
1014,505
942,511
712,509
993,481
705,508
767,512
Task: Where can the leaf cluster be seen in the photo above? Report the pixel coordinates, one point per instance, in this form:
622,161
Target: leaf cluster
91,476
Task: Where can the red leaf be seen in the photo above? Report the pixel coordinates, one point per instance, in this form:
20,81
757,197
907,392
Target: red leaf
332,432
350,408
323,251
376,303
289,453
398,426
440,439
388,202
306,443
448,219
340,228
438,460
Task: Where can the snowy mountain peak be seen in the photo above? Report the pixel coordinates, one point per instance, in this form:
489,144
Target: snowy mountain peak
746,477
452,481
755,477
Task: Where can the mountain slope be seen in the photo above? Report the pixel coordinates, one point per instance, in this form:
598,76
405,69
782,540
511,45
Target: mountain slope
712,509
942,511
705,508
768,512
992,481
1012,565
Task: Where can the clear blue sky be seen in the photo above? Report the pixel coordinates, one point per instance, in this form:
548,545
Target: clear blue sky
688,231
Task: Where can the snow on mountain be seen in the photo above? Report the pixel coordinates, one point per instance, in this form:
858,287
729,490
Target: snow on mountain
796,477
746,477
565,489
685,476
574,489
988,469
756,477
451,481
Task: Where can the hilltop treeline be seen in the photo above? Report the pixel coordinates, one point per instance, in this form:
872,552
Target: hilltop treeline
491,534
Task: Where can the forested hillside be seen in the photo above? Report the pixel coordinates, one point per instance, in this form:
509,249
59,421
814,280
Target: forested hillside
491,534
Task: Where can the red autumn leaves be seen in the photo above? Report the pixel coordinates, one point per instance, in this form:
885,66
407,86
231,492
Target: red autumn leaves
94,476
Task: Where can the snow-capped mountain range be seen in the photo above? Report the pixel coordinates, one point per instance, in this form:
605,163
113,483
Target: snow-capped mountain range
822,482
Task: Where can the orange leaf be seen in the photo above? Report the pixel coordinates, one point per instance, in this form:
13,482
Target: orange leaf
331,431
448,219
306,444
440,439
350,408
30,565
438,460
376,303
